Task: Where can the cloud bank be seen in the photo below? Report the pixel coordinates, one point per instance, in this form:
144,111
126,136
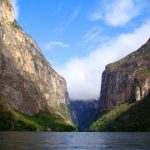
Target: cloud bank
118,12
84,75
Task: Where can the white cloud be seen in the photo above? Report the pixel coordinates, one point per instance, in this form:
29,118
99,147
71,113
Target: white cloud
118,12
71,18
84,75
93,34
94,37
16,8
54,44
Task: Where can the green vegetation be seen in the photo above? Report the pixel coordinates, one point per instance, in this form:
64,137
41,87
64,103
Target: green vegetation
16,25
126,117
11,120
131,60
143,73
63,109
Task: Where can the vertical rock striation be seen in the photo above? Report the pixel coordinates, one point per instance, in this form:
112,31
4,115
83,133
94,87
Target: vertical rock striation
28,83
126,80
85,113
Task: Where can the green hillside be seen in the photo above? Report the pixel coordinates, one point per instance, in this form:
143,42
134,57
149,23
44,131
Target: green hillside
11,120
126,117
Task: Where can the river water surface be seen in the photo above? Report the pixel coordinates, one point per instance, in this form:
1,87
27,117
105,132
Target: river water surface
74,141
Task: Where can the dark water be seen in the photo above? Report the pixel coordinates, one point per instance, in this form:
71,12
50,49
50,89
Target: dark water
74,141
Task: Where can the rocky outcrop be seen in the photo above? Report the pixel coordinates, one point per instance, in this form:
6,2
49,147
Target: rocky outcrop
84,113
126,80
28,83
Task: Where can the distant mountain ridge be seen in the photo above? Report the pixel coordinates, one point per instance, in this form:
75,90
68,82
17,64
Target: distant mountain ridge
84,113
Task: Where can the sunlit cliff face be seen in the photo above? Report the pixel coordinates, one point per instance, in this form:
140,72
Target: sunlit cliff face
28,83
6,11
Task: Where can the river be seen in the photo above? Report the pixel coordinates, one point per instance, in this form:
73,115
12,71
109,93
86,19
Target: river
74,141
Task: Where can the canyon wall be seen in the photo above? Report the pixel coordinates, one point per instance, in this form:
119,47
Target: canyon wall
28,83
84,113
126,80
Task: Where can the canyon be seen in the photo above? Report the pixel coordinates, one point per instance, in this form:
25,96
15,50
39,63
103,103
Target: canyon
33,94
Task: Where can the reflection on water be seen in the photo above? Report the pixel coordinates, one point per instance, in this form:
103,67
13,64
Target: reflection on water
74,141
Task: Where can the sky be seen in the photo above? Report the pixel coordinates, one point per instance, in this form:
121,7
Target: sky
80,37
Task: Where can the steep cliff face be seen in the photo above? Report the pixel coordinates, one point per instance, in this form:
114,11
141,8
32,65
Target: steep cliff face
28,83
126,80
85,113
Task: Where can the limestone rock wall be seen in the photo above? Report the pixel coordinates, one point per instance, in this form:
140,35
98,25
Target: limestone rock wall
126,80
27,80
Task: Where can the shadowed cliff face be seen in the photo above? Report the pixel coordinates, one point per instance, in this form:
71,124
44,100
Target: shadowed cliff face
84,113
28,83
126,80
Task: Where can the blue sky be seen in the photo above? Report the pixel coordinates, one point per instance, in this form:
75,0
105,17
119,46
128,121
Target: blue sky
80,37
